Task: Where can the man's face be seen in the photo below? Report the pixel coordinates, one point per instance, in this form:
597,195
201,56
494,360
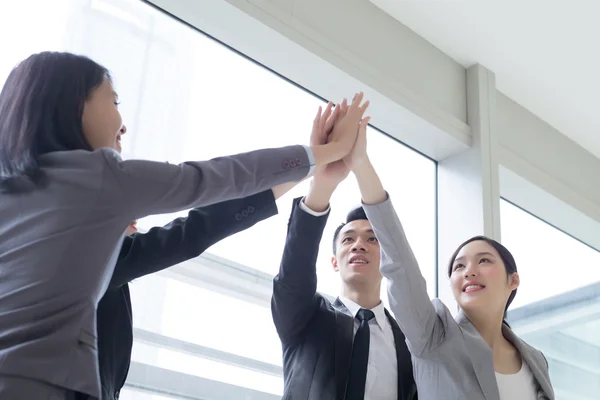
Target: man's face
357,254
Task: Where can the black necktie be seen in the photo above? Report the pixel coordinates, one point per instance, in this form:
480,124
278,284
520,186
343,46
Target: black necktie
355,388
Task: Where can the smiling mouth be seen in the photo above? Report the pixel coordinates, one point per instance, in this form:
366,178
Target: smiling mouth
473,288
358,261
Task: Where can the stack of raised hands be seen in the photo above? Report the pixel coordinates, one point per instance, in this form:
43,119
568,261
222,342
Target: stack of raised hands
346,125
335,130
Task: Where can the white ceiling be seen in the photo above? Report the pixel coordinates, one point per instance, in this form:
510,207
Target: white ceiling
545,53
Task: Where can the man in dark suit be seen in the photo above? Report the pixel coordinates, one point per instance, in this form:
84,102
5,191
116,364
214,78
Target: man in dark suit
162,247
349,350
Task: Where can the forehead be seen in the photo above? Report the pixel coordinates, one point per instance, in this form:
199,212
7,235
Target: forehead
476,247
358,226
106,87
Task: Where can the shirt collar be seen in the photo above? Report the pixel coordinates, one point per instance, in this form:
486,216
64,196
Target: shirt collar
378,310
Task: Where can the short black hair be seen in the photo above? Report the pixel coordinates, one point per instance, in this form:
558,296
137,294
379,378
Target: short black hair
355,214
41,106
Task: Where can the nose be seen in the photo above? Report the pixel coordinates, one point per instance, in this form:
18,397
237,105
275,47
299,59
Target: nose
359,245
123,130
470,270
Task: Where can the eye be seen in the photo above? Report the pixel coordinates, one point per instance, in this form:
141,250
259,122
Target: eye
457,266
346,239
117,103
486,260
373,239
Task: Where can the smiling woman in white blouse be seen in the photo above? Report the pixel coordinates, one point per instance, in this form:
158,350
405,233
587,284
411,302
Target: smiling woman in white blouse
475,356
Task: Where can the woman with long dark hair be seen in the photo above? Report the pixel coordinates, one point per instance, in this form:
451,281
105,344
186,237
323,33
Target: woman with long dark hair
67,198
475,356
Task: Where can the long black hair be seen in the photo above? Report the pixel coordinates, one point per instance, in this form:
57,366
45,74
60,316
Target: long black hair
41,106
508,260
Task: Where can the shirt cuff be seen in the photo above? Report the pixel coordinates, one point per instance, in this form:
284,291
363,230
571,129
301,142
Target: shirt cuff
305,208
311,159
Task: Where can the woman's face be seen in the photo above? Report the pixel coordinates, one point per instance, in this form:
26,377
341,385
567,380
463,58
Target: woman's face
101,120
479,280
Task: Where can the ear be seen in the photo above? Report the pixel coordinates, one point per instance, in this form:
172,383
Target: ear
334,264
514,281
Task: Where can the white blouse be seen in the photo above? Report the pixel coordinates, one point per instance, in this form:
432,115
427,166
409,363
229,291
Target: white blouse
519,386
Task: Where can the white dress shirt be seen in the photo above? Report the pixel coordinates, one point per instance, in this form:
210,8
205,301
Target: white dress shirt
382,370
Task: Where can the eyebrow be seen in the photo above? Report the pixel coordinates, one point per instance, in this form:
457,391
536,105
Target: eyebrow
483,253
354,231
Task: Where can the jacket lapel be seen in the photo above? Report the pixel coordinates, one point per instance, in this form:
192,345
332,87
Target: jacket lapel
405,371
344,336
535,363
481,358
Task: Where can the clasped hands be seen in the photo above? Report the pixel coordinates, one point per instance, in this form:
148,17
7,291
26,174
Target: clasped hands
346,124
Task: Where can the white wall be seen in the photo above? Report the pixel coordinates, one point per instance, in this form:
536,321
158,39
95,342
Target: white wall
334,47
541,154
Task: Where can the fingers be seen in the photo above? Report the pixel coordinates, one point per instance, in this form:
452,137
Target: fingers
355,111
318,117
333,118
336,112
357,99
356,108
364,107
326,115
363,124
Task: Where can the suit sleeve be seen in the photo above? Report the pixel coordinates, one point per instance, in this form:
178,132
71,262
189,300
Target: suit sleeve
295,299
407,288
139,188
186,238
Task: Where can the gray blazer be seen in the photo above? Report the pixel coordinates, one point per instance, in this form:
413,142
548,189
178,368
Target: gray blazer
451,361
59,244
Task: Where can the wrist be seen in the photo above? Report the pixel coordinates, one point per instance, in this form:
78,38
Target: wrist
323,184
371,189
326,153
319,195
360,165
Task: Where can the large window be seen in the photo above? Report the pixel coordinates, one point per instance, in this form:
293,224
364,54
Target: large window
549,261
185,96
557,307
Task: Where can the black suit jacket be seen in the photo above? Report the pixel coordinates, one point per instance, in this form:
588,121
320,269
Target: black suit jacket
317,335
160,248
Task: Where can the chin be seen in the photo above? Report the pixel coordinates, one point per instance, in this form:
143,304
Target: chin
355,277
361,278
471,304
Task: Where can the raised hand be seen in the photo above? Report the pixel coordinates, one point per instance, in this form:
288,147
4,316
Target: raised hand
343,135
358,155
371,189
346,129
331,174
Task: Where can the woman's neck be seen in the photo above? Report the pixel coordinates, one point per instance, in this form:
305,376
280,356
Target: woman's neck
506,357
489,327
